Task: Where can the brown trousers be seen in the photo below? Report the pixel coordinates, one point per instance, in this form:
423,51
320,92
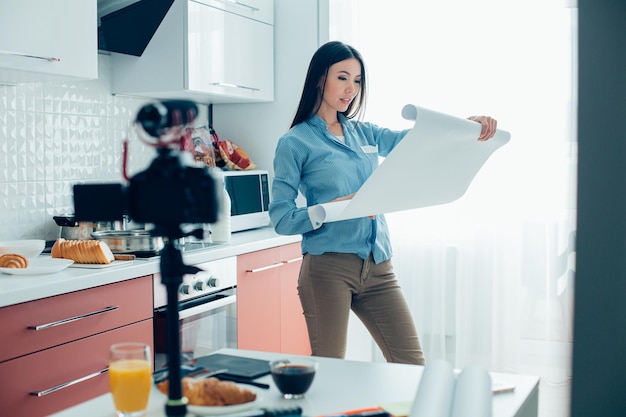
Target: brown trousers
333,283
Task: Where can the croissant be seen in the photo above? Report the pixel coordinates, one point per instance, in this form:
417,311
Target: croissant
13,260
211,392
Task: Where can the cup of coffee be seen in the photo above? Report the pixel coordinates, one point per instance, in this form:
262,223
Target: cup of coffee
293,378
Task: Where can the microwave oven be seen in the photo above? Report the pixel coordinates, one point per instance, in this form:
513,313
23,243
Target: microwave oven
249,193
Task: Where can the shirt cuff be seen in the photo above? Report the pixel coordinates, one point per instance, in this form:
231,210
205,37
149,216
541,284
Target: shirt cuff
315,223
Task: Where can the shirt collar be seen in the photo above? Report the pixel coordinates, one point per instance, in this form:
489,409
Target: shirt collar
315,120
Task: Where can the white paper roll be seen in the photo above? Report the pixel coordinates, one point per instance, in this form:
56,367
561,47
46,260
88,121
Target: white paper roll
421,114
435,391
434,164
472,396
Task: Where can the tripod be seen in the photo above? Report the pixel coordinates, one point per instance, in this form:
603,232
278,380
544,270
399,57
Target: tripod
172,271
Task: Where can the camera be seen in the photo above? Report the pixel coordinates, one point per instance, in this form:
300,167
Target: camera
173,190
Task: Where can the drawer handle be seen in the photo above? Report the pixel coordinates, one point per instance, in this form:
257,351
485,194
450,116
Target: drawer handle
237,3
68,384
45,58
290,261
71,319
220,84
265,268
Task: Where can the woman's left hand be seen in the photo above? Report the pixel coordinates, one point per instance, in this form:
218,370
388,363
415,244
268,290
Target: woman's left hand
488,124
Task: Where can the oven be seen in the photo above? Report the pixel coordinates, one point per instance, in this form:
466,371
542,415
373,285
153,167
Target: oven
207,311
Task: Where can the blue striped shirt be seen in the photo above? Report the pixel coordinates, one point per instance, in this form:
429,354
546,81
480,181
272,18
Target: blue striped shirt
311,159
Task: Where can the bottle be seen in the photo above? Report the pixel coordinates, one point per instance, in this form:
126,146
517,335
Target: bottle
220,230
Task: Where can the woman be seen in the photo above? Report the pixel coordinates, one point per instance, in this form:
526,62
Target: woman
346,264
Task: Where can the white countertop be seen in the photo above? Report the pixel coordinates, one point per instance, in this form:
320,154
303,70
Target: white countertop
342,385
16,289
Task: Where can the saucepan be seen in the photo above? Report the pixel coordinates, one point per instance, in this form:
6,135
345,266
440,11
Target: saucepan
137,242
71,229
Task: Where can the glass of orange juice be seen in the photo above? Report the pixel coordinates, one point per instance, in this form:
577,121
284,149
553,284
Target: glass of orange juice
130,378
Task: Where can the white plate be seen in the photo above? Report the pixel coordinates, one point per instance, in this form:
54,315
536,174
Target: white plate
221,410
40,266
200,410
101,266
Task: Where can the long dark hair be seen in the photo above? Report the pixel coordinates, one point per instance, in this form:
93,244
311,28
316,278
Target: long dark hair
328,54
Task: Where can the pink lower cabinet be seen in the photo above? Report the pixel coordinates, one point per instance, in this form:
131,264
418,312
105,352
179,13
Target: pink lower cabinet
39,378
269,314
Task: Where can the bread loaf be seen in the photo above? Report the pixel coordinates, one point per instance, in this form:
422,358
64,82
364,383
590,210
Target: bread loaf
83,251
13,260
211,392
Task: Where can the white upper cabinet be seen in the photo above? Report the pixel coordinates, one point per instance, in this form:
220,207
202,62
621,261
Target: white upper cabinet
41,38
209,51
261,10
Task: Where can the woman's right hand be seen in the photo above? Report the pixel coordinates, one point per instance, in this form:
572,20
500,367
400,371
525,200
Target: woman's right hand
348,197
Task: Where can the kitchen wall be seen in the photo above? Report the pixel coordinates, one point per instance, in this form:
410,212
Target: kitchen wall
56,134
52,135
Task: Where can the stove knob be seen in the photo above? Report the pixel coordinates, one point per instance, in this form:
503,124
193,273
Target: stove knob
212,282
198,285
185,289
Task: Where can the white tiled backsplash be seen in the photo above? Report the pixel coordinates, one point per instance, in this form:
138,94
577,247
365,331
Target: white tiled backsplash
54,135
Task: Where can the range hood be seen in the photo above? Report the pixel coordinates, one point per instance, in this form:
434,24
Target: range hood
129,30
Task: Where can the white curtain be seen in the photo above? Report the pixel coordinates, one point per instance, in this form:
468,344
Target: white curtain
489,278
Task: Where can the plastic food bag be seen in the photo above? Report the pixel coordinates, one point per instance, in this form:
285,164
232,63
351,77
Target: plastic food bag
199,142
234,156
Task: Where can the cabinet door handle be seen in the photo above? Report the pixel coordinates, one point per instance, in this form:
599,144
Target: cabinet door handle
45,58
220,84
265,268
71,319
238,3
68,384
205,308
290,261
